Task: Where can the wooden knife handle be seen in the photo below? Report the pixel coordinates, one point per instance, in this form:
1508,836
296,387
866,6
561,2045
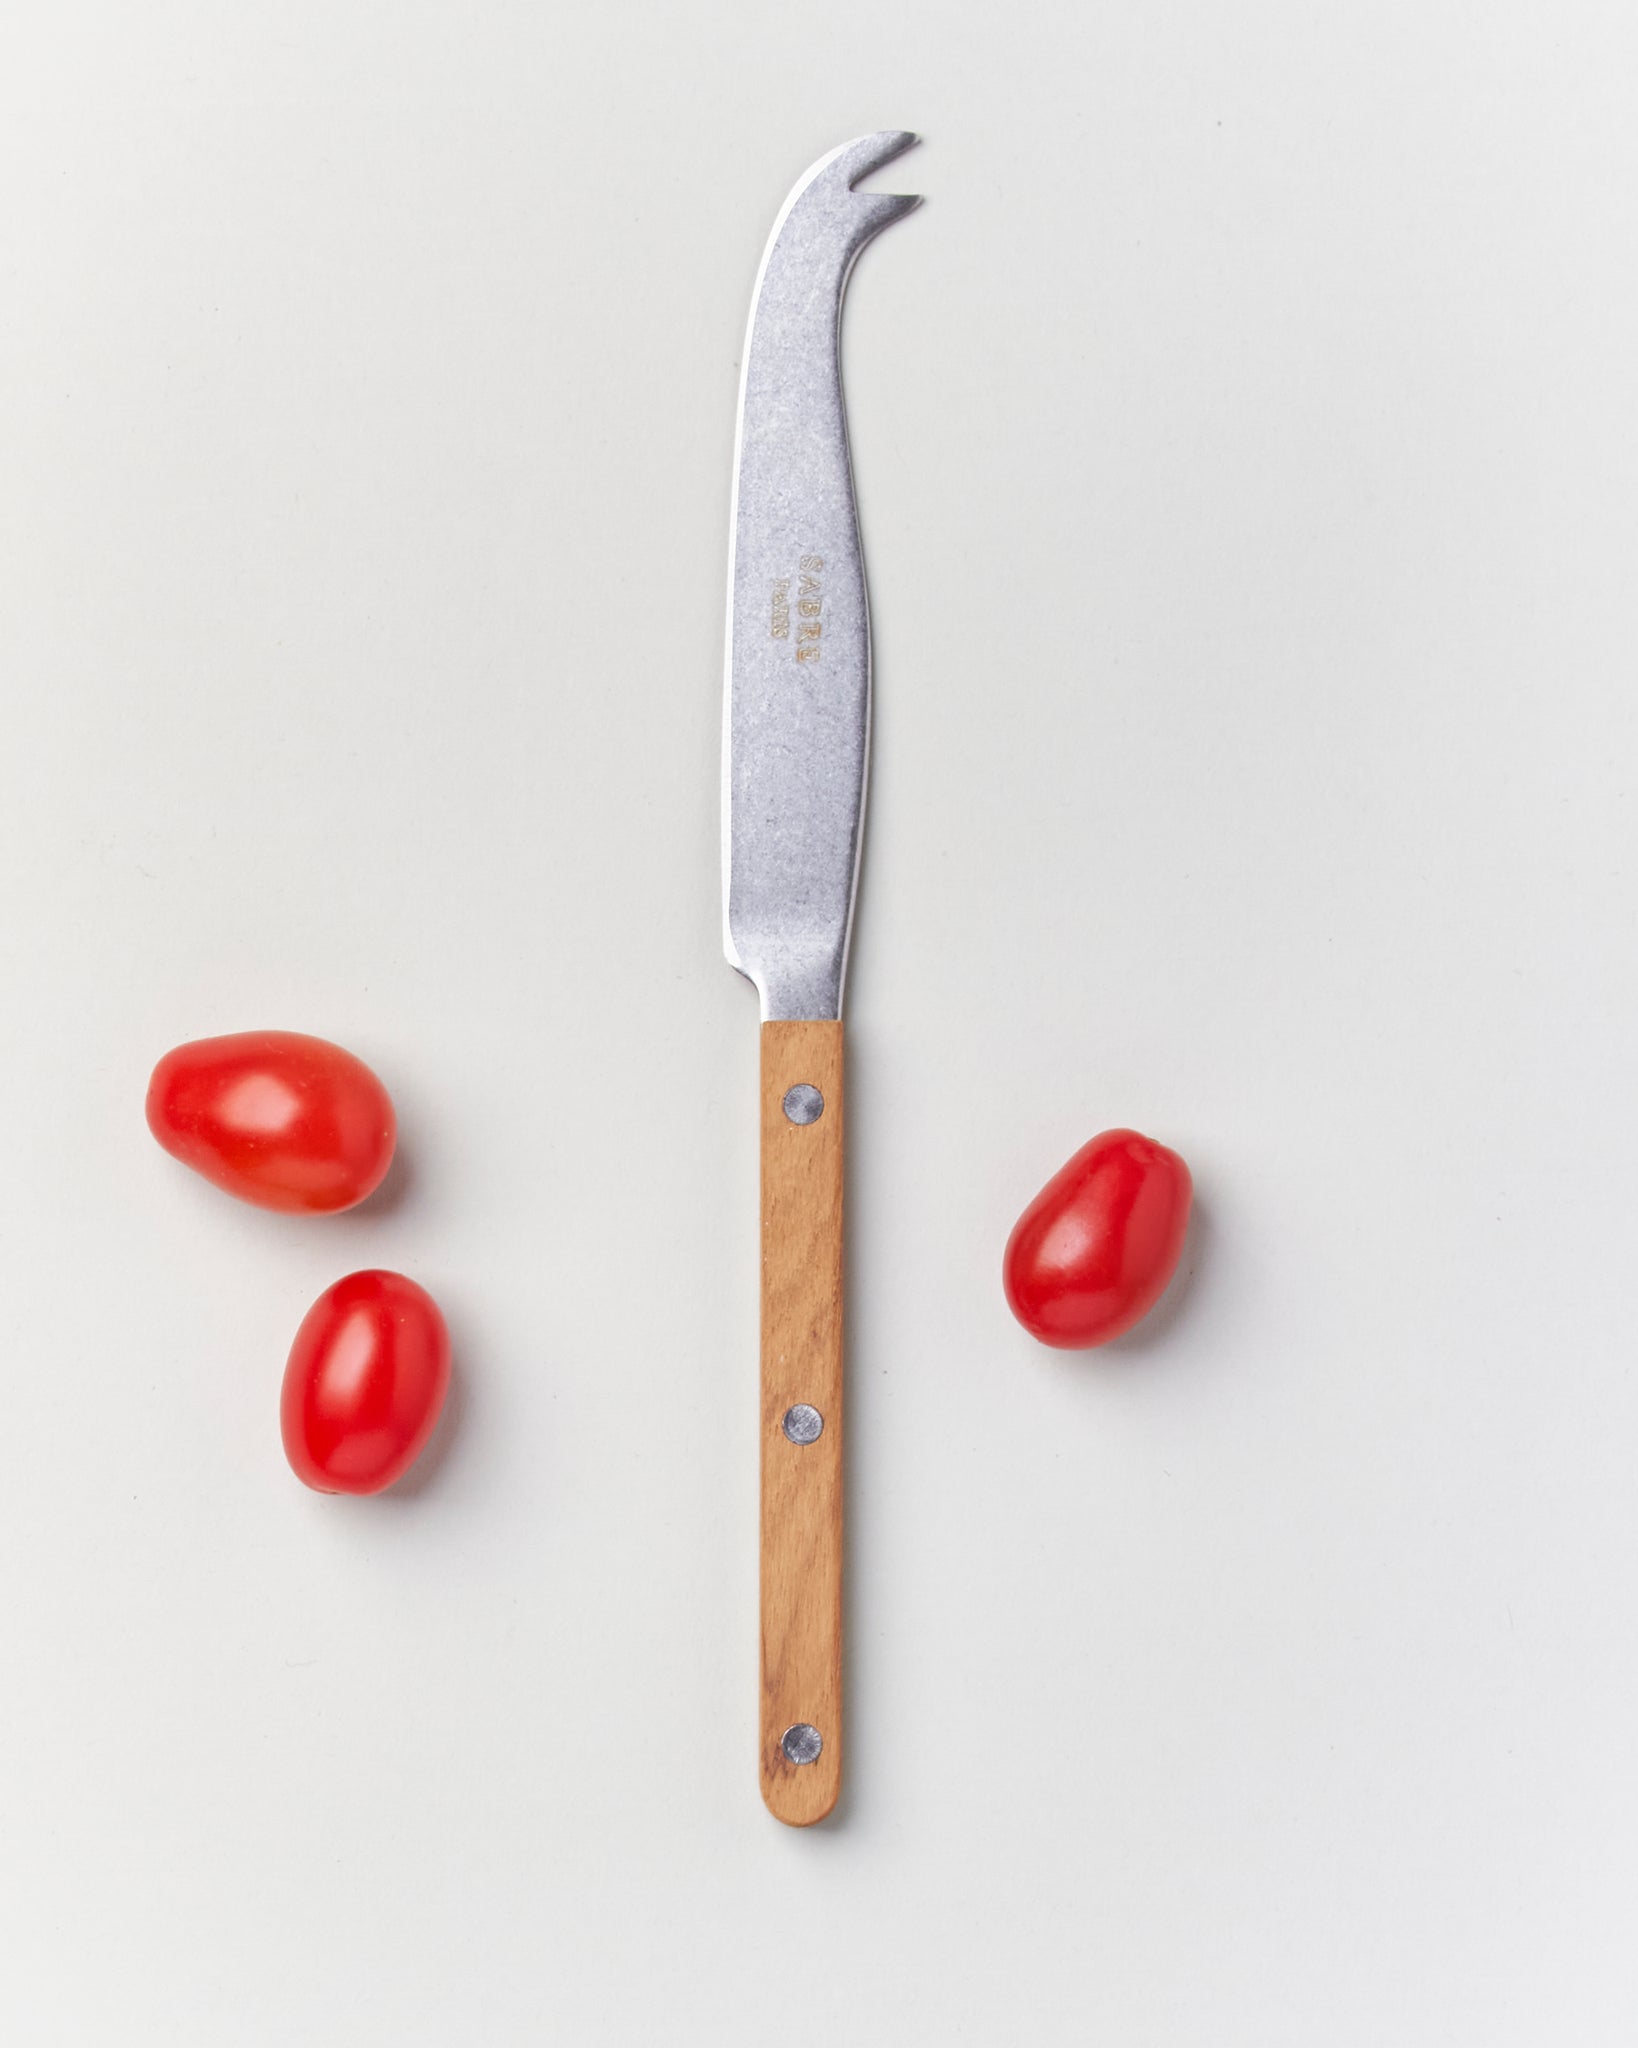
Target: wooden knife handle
801,1705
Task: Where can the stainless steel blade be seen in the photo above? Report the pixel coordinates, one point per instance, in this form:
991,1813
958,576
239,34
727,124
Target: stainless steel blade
797,725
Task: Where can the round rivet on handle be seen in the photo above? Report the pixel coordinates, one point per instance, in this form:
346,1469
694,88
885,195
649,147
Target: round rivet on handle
802,1743
804,1104
802,1424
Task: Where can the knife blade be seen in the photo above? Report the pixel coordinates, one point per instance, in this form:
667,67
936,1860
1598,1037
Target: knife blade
796,748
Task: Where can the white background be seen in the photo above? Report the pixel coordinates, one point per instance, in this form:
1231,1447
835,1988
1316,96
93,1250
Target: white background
1248,460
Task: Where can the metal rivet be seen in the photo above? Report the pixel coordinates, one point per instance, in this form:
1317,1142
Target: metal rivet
804,1104
802,1743
802,1424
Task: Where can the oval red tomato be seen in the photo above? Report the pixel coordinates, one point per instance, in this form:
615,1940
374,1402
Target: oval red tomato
275,1117
365,1383
1092,1253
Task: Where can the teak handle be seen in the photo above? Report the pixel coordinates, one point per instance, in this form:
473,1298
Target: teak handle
802,1370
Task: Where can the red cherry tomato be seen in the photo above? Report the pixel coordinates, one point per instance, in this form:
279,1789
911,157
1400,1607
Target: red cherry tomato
366,1380
275,1117
1093,1252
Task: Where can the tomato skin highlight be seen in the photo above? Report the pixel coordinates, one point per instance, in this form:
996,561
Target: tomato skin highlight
275,1117
365,1383
1092,1254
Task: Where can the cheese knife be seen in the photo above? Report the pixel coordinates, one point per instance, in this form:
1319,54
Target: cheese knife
795,749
